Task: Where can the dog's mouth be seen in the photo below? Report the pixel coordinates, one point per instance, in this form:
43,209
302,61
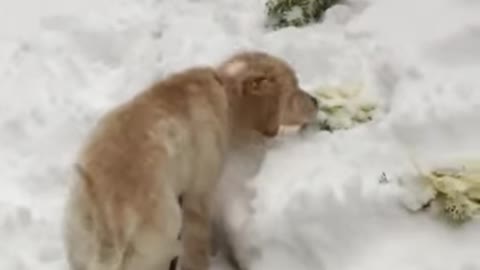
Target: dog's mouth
271,132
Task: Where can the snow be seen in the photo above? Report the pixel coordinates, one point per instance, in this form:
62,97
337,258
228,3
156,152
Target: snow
317,203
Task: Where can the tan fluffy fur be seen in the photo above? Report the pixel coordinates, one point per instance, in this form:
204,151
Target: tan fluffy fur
170,141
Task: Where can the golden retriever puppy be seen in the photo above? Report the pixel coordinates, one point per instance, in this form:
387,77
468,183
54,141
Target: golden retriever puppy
151,165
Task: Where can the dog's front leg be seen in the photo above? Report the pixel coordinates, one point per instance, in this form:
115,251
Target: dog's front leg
196,233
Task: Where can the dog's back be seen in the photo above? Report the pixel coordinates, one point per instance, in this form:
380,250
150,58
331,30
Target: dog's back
123,212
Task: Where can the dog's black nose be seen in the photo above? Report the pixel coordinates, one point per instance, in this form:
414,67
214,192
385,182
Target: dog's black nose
314,100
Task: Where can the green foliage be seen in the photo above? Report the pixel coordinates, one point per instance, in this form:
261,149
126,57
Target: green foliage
342,107
455,189
458,191
283,13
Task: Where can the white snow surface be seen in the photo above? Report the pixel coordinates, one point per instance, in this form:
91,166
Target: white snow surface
317,202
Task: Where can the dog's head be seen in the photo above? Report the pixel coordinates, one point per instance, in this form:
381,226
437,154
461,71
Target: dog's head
269,91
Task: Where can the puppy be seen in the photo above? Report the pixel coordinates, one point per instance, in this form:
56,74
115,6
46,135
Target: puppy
170,143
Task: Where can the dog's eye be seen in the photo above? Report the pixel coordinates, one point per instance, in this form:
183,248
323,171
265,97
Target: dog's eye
258,86
259,81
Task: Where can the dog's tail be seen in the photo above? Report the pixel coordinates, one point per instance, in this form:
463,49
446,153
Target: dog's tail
113,237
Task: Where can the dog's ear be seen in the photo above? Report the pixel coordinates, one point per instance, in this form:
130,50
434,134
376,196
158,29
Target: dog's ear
258,85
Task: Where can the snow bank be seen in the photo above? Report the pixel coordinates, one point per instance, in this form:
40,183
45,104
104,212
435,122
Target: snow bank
318,202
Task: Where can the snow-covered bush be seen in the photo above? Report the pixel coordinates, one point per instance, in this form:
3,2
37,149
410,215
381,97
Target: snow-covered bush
283,13
456,190
342,107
